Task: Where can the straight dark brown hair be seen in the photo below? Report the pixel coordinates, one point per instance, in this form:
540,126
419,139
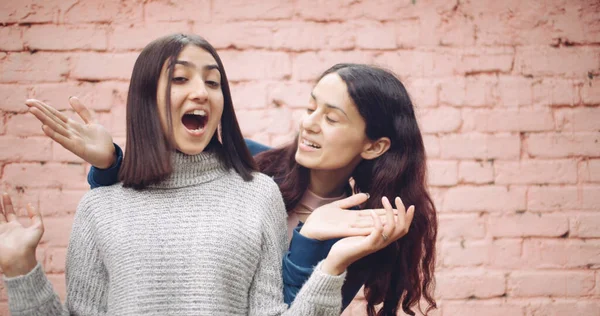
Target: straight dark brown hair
147,158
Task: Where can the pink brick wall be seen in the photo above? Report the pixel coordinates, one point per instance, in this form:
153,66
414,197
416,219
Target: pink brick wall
508,95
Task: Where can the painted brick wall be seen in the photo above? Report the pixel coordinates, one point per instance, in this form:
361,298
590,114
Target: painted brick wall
508,96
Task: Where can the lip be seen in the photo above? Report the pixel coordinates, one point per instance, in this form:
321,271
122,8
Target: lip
200,132
304,147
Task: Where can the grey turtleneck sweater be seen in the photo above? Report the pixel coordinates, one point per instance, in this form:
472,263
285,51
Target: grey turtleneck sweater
203,242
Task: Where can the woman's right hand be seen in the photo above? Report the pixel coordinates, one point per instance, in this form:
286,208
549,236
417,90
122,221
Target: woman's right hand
18,243
90,141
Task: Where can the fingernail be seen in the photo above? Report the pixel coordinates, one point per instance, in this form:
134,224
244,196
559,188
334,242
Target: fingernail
368,195
70,97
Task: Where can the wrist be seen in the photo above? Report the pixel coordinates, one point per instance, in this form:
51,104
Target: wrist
333,267
20,266
109,163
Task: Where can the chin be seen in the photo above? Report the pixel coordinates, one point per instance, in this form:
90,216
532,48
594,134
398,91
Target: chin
193,149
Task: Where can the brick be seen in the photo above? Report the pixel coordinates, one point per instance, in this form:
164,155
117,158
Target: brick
472,91
590,92
486,59
14,149
461,226
310,66
557,145
552,198
569,62
578,119
480,146
31,11
432,146
165,10
556,307
10,38
550,283
373,35
240,35
38,67
446,62
477,172
442,173
112,11
585,225
49,175
506,254
102,66
117,118
55,202
252,121
59,284
278,120
408,63
249,95
423,92
243,10
291,94
408,33
256,65
514,91
528,225
280,140
24,125
136,36
20,197
100,96
484,199
469,284
12,98
536,172
556,92
590,198
488,308
55,260
439,120
589,170
57,231
484,120
464,254
561,253
457,30
65,37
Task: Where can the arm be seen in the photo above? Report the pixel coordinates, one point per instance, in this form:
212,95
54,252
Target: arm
87,281
320,295
255,147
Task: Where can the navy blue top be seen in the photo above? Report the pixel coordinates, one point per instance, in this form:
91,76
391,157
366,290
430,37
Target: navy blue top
299,262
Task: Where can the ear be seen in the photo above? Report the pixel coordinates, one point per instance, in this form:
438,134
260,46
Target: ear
376,148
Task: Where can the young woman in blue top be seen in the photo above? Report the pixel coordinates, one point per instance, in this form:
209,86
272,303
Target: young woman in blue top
360,124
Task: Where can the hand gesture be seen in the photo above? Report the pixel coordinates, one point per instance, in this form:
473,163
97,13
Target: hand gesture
350,249
18,243
90,140
334,220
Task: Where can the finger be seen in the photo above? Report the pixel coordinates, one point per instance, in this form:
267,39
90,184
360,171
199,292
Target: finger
379,211
389,229
368,221
35,216
9,211
86,115
351,201
51,123
410,214
402,218
375,237
2,217
49,111
66,142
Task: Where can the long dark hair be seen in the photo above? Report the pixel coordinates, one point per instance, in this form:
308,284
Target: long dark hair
404,270
148,149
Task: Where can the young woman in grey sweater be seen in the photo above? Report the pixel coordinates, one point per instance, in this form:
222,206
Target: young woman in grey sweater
191,229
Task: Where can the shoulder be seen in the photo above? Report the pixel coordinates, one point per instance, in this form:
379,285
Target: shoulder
262,194
98,198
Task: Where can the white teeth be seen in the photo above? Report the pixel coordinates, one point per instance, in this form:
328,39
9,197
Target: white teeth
198,112
307,143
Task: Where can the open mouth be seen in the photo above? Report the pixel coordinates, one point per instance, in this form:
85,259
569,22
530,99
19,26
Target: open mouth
310,144
195,120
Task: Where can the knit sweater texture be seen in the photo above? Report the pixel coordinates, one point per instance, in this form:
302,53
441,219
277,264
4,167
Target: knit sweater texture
202,242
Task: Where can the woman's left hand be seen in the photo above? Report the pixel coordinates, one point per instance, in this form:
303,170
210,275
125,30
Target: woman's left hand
350,249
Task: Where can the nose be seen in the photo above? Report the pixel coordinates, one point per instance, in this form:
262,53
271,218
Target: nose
198,91
310,122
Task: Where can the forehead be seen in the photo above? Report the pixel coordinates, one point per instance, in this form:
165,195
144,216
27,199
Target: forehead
196,55
331,89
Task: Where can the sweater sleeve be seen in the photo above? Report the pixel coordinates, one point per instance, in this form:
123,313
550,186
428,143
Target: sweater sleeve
87,280
105,177
320,295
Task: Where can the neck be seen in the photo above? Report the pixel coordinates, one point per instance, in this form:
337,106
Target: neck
328,184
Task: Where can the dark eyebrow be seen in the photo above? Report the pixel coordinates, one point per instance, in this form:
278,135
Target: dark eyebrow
331,106
192,65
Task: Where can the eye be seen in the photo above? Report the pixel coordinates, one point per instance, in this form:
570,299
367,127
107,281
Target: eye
309,110
212,84
330,120
179,79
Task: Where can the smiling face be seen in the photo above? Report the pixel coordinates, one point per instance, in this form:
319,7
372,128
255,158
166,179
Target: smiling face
196,99
332,133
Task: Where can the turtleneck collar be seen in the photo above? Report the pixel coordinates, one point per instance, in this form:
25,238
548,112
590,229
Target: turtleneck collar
191,170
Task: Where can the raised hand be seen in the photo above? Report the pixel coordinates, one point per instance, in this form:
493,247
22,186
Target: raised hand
350,249
18,243
334,220
90,140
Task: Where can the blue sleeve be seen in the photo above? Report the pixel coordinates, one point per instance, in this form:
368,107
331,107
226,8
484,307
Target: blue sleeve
255,148
105,177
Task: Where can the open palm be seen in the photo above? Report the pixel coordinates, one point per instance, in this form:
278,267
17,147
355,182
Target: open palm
17,242
89,140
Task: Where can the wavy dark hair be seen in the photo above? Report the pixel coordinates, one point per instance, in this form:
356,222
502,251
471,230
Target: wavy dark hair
401,274
147,158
